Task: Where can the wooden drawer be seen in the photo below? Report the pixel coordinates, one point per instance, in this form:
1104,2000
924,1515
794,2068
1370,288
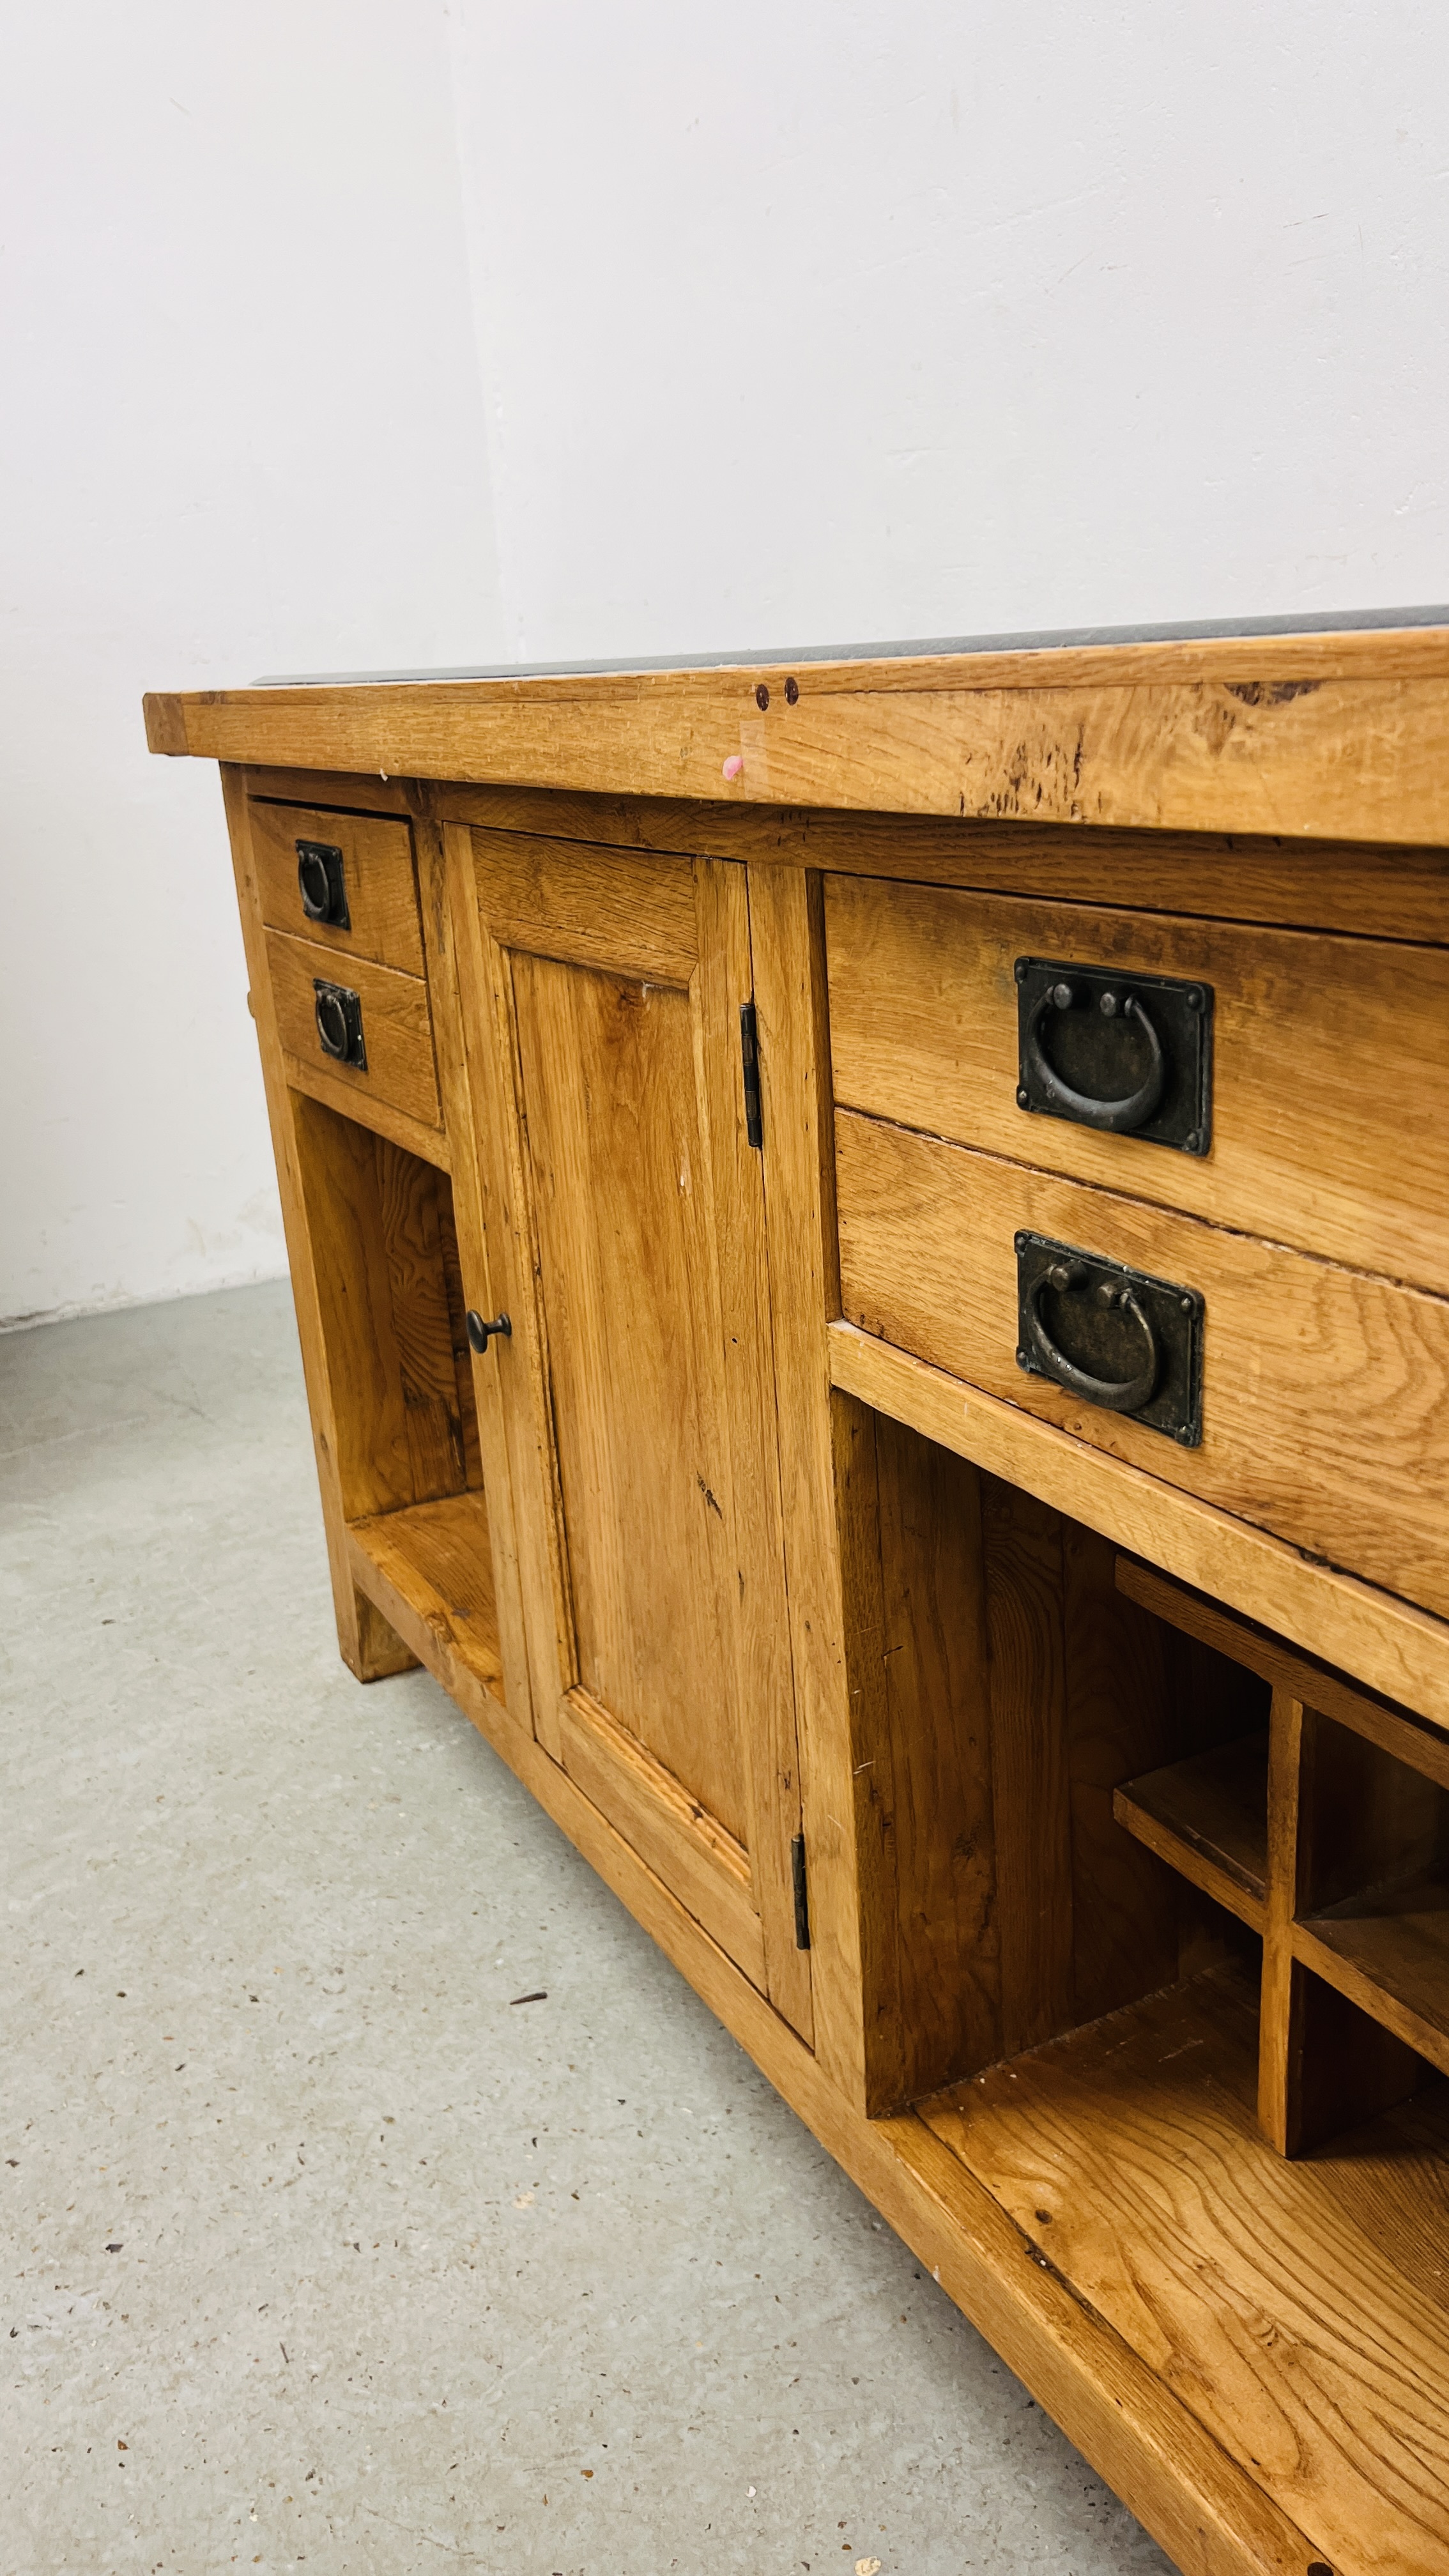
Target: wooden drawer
374,858
1325,1392
1330,1081
396,1026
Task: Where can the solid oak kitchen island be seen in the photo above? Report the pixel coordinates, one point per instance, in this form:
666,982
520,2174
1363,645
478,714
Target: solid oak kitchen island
871,1242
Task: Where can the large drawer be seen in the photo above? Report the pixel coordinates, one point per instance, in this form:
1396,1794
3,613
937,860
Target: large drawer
320,995
1329,1060
357,867
1325,1392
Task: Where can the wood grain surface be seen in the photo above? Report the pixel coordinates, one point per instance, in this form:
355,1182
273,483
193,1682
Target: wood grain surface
592,907
1397,1731
1031,1790
917,1670
1207,1817
437,1559
333,791
1207,2510
369,1645
1325,1392
1262,2293
627,1277
1397,1650
1388,1952
1324,736
797,1154
1320,1047
668,1827
396,1026
973,1683
381,1224
1381,889
449,913
377,874
643,1414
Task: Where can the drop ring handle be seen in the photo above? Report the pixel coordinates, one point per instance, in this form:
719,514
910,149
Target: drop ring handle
1117,1117
1117,1395
330,1012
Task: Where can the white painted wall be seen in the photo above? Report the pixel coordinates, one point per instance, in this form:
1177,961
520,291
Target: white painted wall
362,332
240,430
876,318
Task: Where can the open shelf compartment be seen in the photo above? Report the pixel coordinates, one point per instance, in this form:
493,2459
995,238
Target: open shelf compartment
1074,1771
435,1561
404,1410
1331,1835
1208,1818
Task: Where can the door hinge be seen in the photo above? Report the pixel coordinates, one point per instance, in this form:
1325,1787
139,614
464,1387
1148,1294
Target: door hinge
750,1062
802,1903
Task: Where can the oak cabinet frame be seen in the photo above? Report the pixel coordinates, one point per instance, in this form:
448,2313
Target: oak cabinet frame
1065,1832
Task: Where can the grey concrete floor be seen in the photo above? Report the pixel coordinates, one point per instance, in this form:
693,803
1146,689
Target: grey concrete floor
293,2280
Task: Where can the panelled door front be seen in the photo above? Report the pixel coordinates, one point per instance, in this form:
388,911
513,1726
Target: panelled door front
626,1242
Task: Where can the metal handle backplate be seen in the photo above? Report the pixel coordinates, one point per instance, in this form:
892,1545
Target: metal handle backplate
1128,1054
322,884
338,1013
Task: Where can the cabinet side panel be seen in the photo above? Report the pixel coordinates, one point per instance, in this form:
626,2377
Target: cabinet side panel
367,1643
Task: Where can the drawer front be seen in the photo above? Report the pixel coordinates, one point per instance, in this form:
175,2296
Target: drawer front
359,865
390,1013
1324,1392
1329,1069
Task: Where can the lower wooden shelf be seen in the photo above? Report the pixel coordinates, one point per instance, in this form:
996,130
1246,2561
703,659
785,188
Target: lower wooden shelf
437,1559
1254,2352
1208,1818
1301,2310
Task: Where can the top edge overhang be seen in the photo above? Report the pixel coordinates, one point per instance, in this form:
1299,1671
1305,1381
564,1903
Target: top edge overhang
1357,621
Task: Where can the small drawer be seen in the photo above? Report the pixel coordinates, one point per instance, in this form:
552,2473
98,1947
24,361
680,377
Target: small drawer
354,1023
344,880
1308,1398
1302,1077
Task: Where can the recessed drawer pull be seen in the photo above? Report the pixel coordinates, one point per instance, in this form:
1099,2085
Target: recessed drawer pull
1099,1027
1118,1117
322,884
339,1023
1134,1344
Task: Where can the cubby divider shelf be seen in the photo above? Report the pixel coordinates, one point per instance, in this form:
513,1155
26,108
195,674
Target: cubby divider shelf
1207,1817
1330,1836
1387,1950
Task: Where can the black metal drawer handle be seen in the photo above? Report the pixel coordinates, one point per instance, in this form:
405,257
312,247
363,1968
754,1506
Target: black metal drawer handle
1120,1395
1118,1117
322,884
338,1014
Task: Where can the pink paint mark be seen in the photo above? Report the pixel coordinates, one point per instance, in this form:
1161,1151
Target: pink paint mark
734,765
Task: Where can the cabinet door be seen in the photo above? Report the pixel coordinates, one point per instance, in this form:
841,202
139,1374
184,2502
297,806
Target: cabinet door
626,1228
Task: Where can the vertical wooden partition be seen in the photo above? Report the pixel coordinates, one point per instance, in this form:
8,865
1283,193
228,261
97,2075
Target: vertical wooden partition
1331,1837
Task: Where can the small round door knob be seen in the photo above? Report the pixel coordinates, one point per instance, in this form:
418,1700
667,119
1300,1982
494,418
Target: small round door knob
479,1332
